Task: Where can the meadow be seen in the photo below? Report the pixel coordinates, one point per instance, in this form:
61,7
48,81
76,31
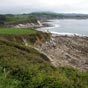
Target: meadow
15,31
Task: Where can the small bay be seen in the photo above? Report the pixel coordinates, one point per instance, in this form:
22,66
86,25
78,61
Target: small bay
68,26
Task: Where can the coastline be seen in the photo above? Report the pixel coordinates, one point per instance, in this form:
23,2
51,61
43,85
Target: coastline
66,49
50,26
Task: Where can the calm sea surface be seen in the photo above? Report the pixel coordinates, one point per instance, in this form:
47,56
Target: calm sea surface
68,26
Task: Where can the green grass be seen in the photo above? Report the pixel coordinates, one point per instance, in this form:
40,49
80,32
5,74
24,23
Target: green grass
30,35
16,19
15,31
23,67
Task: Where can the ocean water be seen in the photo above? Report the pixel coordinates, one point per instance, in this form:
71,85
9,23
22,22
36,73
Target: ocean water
68,26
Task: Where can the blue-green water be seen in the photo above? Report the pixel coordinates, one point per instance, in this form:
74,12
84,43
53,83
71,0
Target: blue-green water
68,26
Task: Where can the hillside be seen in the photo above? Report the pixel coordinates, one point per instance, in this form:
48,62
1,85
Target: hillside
24,36
8,19
24,67
31,19
51,15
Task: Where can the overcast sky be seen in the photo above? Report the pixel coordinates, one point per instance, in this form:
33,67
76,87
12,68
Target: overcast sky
27,6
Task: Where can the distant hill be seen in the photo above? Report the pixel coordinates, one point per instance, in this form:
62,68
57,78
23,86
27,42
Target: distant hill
51,15
9,19
33,17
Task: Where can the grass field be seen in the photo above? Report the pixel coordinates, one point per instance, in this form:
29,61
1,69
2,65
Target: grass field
15,31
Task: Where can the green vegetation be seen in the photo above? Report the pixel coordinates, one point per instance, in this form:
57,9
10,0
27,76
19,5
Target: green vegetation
23,67
9,19
45,15
15,31
52,15
31,36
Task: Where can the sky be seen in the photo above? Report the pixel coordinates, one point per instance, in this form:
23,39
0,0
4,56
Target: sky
28,6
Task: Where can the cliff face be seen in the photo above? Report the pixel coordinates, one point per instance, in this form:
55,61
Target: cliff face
29,25
67,51
28,39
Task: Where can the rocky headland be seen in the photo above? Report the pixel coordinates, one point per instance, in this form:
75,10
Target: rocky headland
39,24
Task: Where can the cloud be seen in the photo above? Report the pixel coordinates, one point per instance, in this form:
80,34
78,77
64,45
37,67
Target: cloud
26,6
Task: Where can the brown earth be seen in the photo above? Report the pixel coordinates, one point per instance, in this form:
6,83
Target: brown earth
67,51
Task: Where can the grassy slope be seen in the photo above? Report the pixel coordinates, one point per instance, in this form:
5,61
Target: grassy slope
16,62
17,19
19,35
23,67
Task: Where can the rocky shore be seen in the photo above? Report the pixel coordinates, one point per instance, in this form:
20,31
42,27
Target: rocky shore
39,24
67,51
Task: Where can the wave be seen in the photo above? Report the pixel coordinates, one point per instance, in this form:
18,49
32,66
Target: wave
57,25
64,34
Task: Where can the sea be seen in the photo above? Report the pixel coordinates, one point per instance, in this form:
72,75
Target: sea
67,27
